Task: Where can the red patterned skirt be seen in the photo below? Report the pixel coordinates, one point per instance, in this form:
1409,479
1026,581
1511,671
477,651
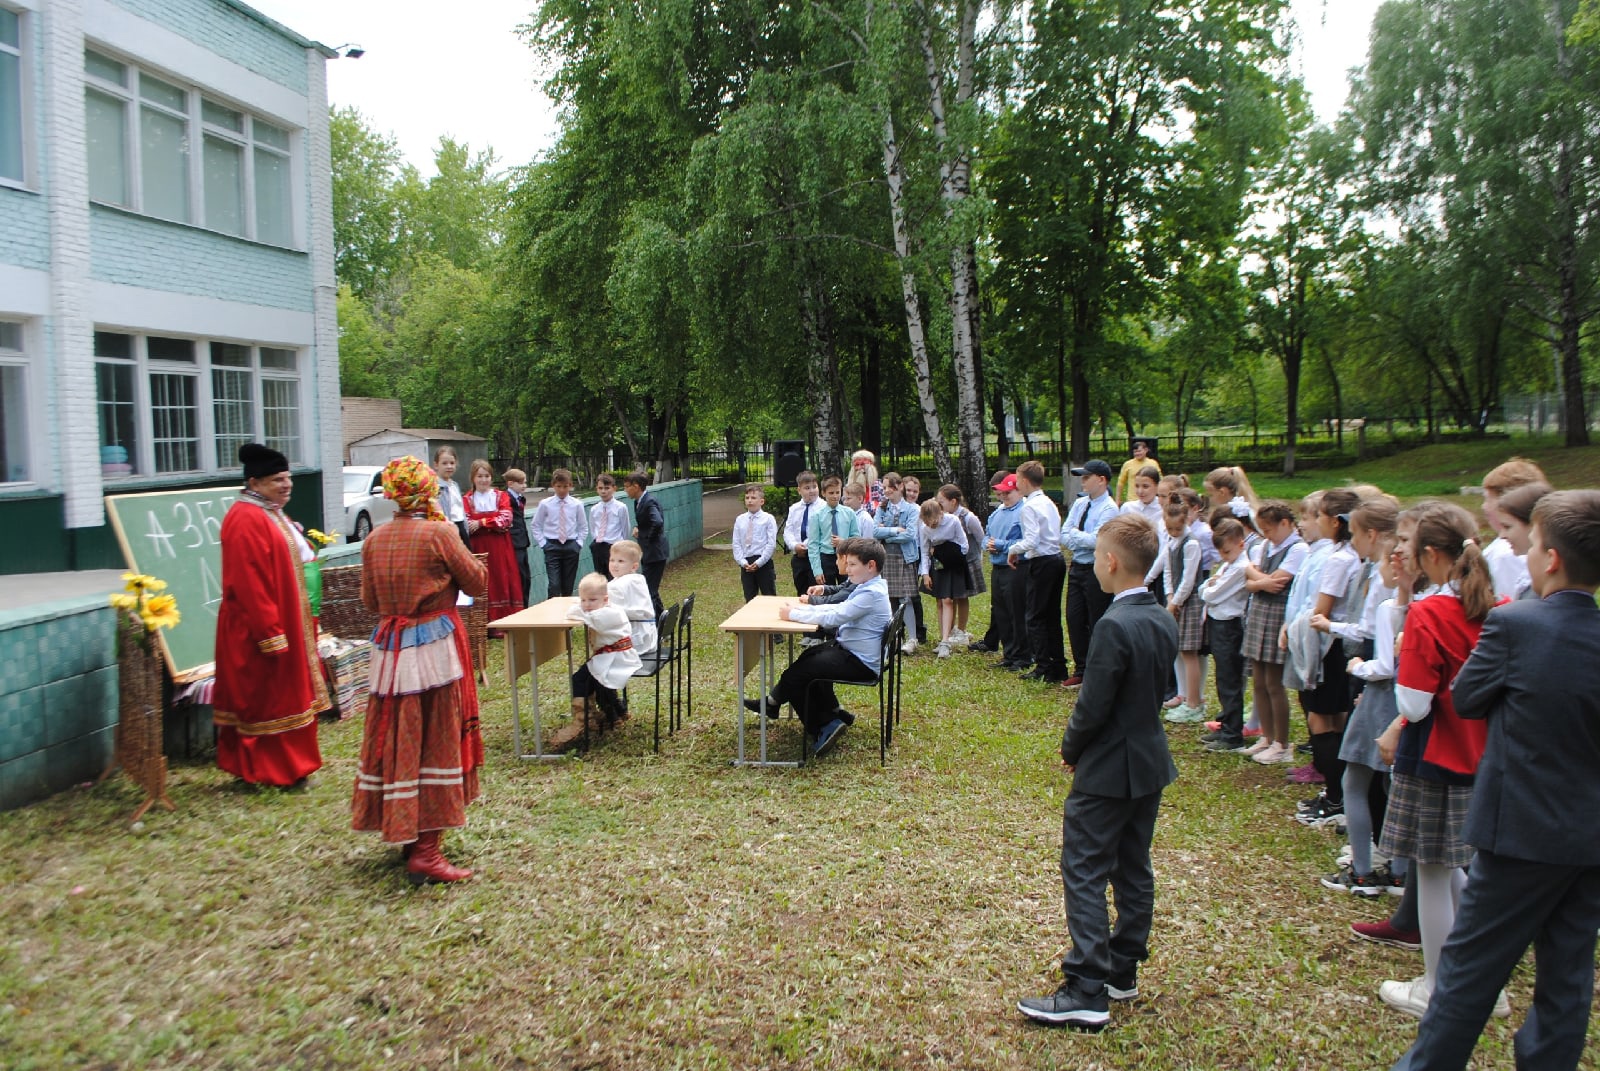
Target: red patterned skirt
420,750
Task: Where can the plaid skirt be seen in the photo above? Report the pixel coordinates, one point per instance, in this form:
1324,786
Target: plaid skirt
1192,624
1261,624
1371,716
976,585
898,574
1424,821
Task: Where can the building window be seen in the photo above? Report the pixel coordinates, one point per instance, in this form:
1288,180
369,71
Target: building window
197,159
171,405
14,466
11,109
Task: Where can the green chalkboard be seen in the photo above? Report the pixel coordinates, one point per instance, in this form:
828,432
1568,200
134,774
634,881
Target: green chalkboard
177,537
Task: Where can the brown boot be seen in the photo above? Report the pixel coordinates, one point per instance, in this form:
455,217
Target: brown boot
428,864
570,735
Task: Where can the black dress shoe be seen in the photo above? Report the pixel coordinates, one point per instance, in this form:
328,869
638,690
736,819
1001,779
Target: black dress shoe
979,646
754,706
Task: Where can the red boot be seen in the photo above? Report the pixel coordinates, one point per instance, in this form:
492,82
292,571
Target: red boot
428,864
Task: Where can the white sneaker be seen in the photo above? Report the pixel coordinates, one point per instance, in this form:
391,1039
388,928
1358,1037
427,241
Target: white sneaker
960,638
1410,997
1502,1006
909,647
1273,753
1261,744
943,650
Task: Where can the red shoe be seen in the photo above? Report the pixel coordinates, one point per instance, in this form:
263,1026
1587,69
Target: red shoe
427,864
1382,933
1073,681
1251,734
1214,726
1305,775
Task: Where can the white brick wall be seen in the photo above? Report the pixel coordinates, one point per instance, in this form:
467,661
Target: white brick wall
319,160
76,424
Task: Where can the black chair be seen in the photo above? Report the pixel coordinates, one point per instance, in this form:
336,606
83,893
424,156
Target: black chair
683,693
887,682
665,656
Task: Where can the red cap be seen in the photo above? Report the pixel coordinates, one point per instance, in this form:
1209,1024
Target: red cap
1007,484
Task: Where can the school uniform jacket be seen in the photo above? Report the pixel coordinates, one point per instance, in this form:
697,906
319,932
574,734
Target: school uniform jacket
1534,677
1115,737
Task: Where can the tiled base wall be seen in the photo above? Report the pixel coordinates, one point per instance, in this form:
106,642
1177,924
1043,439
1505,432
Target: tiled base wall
58,697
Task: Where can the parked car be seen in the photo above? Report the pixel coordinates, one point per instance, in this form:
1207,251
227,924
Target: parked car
364,505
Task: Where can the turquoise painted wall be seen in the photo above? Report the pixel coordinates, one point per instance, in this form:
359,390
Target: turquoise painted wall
228,32
58,697
160,255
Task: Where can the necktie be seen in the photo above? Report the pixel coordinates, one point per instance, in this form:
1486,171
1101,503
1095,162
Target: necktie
805,519
833,515
1083,518
561,511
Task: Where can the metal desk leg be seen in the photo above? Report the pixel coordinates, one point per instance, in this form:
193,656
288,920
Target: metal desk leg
516,687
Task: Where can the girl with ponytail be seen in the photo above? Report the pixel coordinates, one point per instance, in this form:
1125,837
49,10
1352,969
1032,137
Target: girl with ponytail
1434,752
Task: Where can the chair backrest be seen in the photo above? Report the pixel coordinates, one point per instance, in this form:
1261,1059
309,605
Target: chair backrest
685,619
892,636
666,628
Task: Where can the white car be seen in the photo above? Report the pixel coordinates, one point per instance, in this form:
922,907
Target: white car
364,505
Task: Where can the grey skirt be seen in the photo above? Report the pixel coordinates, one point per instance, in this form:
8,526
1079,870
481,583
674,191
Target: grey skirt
1370,717
1192,624
899,575
1261,624
1424,821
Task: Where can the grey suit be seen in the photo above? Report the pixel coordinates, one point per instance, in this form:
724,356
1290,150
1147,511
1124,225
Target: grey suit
1116,741
1535,677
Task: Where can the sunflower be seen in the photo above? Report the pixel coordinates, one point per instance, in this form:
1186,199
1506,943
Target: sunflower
160,612
124,601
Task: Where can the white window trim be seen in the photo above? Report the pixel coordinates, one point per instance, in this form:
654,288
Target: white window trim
196,131
25,51
205,402
33,402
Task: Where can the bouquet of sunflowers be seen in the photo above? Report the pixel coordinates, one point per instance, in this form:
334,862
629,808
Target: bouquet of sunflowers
142,600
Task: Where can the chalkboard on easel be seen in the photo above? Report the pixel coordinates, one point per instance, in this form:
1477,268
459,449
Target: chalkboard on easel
176,536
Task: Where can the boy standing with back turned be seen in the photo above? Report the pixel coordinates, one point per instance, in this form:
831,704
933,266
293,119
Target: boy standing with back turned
1116,748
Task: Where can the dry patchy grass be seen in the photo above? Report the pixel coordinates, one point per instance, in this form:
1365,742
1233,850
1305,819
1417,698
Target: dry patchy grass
668,911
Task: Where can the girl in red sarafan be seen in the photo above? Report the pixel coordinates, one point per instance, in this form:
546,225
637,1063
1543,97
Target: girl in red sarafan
420,746
489,531
269,684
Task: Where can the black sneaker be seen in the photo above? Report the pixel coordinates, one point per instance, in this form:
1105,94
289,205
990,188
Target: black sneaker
1303,749
1069,1006
1123,988
1312,804
1226,744
1215,734
1347,880
1326,813
980,647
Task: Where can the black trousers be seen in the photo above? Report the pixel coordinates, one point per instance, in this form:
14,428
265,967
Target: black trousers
1019,652
1105,839
1002,632
600,557
1043,582
764,581
560,568
1509,904
828,565
653,572
524,571
800,572
1086,604
826,661
1227,651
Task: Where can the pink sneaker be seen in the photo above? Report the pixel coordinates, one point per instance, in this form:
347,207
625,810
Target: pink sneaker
1306,775
1249,733
1213,726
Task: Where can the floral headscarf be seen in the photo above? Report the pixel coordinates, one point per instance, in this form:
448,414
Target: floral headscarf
413,486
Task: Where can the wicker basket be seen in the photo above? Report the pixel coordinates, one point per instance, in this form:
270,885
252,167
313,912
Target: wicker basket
139,733
345,616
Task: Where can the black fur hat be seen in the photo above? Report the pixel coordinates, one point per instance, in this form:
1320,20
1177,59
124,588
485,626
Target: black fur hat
261,461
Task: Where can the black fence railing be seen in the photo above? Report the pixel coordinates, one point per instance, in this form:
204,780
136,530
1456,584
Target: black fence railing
1195,451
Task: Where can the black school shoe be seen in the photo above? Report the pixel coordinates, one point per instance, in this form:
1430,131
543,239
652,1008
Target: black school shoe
1070,1005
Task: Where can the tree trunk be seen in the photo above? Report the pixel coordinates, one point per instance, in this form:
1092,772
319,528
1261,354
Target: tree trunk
894,173
871,392
1022,422
1002,442
682,458
1291,396
822,372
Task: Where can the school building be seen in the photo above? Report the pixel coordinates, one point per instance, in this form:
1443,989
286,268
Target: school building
166,264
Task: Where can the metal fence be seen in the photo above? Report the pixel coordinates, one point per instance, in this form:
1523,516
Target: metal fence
1195,451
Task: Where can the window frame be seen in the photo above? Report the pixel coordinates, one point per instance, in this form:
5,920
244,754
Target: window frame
23,360
28,180
197,128
200,372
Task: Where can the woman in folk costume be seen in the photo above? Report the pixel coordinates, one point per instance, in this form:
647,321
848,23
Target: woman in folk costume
489,532
420,747
269,683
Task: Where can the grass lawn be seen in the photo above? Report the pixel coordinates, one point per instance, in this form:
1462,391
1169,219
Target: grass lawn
635,910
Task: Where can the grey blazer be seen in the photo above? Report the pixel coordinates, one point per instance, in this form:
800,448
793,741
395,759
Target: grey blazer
1535,678
1115,737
